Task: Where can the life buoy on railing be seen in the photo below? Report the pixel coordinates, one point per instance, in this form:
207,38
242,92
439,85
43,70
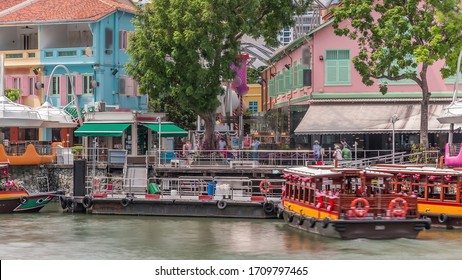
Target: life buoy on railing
398,207
264,183
360,212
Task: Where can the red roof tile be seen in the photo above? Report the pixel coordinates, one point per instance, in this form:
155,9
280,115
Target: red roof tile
40,11
6,4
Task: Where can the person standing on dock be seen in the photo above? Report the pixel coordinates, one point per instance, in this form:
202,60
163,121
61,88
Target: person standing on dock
316,150
255,144
337,153
186,152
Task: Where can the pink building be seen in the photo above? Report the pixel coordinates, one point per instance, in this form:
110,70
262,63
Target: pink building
313,81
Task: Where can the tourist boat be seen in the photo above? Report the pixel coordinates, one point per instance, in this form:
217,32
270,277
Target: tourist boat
14,198
438,191
348,204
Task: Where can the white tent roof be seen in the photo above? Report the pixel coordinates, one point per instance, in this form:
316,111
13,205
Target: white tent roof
54,117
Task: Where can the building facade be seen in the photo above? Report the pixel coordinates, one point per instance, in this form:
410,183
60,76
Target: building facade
54,47
314,81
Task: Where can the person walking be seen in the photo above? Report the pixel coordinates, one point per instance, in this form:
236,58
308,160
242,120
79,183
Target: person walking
337,152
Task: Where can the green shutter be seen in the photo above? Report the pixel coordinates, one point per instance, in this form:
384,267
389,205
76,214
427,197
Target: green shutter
287,78
337,67
272,88
343,71
294,76
331,72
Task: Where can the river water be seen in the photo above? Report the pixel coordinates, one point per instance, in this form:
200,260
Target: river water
52,235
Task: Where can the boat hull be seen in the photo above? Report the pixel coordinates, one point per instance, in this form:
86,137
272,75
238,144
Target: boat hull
182,207
25,204
357,228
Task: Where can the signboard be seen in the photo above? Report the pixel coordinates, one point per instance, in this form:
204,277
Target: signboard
235,142
247,142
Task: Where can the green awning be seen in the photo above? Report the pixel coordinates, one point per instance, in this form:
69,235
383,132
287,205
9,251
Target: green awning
101,129
167,129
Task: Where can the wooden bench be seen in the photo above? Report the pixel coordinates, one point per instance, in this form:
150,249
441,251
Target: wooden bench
242,163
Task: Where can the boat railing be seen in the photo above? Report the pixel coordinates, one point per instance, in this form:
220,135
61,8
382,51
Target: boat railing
379,205
216,188
389,158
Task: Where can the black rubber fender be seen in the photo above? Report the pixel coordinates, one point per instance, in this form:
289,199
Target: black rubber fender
312,222
442,218
62,202
71,204
290,217
222,204
325,222
301,219
125,201
268,207
87,201
23,200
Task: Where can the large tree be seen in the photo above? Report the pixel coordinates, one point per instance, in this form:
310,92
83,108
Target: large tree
185,48
400,39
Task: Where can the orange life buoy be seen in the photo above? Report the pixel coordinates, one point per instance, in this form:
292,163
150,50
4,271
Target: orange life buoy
360,212
398,207
262,186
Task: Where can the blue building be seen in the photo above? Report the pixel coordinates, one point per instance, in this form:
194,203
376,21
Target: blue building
88,38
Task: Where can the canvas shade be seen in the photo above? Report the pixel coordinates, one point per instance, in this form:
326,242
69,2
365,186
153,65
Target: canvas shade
367,118
101,129
167,129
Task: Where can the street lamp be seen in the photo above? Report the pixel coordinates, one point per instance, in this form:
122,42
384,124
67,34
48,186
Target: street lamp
159,133
76,103
394,118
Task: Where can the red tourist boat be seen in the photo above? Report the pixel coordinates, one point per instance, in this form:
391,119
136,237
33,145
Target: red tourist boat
348,203
14,198
439,191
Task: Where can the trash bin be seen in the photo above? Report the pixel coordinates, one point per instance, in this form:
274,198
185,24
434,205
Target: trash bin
211,187
153,188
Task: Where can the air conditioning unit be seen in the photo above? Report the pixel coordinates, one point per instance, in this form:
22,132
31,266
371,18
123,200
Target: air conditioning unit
100,106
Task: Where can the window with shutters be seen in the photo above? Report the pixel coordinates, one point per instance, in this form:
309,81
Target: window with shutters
337,65
272,88
31,85
408,69
253,106
86,84
70,81
17,83
122,85
123,39
294,75
287,80
55,85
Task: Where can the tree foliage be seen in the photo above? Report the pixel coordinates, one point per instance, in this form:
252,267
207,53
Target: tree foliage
12,93
185,48
182,116
400,39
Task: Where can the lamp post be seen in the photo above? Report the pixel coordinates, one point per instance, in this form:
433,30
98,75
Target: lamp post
394,118
76,103
159,122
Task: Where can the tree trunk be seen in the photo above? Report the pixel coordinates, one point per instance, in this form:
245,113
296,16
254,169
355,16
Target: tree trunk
424,109
209,126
